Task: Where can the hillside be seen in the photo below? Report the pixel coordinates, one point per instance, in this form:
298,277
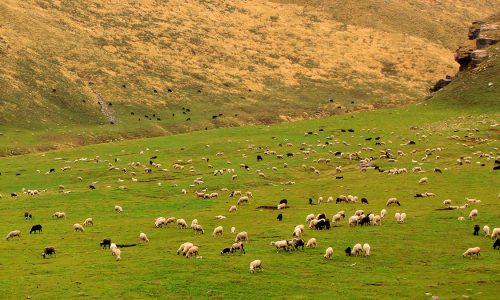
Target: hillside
229,62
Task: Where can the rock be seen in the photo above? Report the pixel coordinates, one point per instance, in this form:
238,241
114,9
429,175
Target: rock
483,42
440,84
478,55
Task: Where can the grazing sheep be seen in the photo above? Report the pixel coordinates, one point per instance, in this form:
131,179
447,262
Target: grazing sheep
392,201
104,243
233,229
356,250
233,209
225,251
496,244
184,247
170,220
193,251
181,223
280,245
402,218
473,214
376,220
117,252
58,215
118,209
328,253
336,218
88,222
296,243
281,206
238,246
113,247
364,201
309,218
476,229
218,231
48,251
78,227
383,212
241,237
194,222
198,229
297,233
143,237
366,249
461,218
495,234
36,228
486,230
353,220
256,264
347,251
311,243
423,180
13,234
242,200
472,251
220,217
447,202
279,217
160,221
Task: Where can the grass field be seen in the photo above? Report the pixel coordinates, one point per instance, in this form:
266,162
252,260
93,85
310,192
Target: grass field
408,260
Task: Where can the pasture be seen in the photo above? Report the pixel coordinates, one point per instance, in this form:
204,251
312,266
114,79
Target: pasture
420,258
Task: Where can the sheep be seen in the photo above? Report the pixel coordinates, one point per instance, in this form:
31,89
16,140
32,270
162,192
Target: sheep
36,228
473,214
59,215
256,264
13,234
336,218
112,247
311,243
198,229
356,250
476,229
143,237
496,244
218,231
233,229
117,252
353,220
383,212
402,218
88,222
280,245
347,251
241,237
104,243
472,251
366,249
184,247
118,209
328,253
170,220
181,223
486,230
359,212
279,217
48,251
392,201
297,232
495,234
376,220
320,200
193,251
281,206
423,180
225,251
238,246
194,222
220,217
300,227
296,243
309,218
160,221
242,200
78,227
233,208
27,215
461,218
447,202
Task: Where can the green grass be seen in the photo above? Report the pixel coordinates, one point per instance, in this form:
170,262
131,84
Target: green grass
407,261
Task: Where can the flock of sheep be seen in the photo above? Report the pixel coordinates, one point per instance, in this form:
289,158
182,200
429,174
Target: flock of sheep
243,200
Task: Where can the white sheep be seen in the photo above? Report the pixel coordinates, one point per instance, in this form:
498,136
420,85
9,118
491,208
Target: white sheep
311,243
356,250
472,251
353,220
193,251
301,227
242,236
256,264
170,220
473,214
184,248
392,201
336,218
328,253
423,180
194,222
495,234
383,212
220,217
320,200
376,220
297,232
143,237
78,227
461,218
59,215
233,229
218,231
249,194
242,200
281,206
310,217
117,253
397,216
198,229
486,230
280,245
118,209
182,223
12,234
88,222
402,218
233,208
113,247
366,249
447,202
160,221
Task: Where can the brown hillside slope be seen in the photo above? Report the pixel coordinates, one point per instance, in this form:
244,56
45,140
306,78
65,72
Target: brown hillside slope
378,52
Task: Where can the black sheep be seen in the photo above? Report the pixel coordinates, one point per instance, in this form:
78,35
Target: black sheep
364,200
105,242
496,245
284,201
280,217
48,251
348,251
27,216
52,170
327,224
365,220
320,225
321,216
36,228
259,158
476,229
225,251
310,201
298,243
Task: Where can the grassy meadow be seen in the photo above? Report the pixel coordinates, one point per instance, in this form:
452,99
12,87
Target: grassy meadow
412,261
